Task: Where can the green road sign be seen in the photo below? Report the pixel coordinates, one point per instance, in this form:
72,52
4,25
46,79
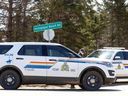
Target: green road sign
42,27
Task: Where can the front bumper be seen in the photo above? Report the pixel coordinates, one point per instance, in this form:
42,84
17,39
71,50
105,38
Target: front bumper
109,81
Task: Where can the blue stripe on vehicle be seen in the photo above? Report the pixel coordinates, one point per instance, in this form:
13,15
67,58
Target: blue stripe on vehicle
38,66
78,61
72,61
126,66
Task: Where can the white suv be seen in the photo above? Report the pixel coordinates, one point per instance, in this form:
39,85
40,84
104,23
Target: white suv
117,55
50,63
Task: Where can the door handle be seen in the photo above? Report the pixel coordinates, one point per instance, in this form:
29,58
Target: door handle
20,58
52,60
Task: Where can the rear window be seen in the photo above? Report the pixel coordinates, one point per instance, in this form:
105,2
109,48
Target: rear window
5,48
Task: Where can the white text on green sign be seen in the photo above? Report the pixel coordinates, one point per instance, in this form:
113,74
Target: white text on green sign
42,27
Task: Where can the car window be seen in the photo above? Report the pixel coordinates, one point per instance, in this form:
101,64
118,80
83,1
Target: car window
59,51
119,56
33,50
125,54
5,48
102,54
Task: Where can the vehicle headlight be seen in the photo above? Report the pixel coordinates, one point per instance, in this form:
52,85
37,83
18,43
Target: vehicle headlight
107,64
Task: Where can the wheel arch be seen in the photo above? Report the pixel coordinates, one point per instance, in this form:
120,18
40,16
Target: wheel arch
12,67
92,69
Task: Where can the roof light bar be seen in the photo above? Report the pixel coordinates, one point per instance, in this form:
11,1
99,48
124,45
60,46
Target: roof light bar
117,48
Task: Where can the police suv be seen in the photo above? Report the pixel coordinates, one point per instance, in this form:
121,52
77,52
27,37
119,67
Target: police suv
50,63
117,55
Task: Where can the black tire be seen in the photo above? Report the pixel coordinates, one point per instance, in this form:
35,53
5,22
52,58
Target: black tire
92,81
10,80
81,86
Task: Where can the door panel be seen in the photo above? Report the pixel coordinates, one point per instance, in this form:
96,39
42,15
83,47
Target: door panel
62,67
120,63
32,65
63,59
31,60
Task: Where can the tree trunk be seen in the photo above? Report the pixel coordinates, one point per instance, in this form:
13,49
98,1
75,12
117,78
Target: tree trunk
10,17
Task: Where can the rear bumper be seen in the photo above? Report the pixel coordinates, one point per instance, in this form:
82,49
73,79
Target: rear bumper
109,81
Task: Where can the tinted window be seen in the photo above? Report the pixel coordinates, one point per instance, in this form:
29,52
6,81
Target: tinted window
5,48
58,51
125,54
119,56
33,50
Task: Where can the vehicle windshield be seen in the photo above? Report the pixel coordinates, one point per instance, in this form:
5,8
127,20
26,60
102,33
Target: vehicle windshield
101,54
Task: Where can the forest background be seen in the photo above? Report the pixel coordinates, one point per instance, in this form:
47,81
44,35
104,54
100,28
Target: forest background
88,24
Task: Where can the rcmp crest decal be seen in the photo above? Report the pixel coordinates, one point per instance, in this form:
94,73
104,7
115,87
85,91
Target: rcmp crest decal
65,67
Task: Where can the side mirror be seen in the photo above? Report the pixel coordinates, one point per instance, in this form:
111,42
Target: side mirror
117,58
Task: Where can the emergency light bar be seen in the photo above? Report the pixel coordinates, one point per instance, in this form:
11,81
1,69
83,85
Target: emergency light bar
117,48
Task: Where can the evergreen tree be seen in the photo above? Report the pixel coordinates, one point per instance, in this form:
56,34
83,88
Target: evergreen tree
118,22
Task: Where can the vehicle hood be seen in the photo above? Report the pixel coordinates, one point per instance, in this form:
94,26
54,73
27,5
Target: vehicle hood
94,60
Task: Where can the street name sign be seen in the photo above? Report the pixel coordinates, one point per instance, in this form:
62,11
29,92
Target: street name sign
48,26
